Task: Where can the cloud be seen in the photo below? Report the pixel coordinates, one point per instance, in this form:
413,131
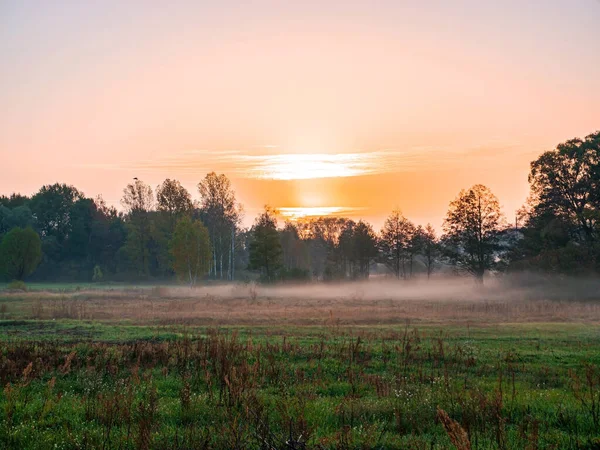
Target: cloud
295,213
303,166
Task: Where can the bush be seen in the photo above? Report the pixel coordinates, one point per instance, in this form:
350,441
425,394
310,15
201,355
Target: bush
17,285
98,275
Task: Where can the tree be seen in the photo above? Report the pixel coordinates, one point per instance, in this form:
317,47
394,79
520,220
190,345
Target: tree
472,231
190,249
364,243
14,201
395,243
265,248
20,253
174,200
295,251
565,184
428,247
323,234
222,216
138,201
52,207
108,235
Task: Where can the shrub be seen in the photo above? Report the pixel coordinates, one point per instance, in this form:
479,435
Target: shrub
17,285
98,275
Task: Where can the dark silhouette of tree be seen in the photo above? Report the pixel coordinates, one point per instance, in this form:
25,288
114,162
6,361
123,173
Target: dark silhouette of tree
565,183
364,243
295,253
14,200
20,253
190,248
428,247
396,243
265,248
472,229
560,224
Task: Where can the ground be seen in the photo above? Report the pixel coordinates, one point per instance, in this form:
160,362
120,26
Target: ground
338,366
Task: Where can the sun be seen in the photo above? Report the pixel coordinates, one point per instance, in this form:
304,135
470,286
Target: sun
310,165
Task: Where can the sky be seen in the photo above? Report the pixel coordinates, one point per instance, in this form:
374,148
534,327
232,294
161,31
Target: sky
350,108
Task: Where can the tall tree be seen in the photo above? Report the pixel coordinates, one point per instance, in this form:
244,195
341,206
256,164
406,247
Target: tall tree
565,183
323,241
395,243
295,251
428,248
108,235
138,202
190,249
222,216
364,248
472,231
20,253
173,200
52,207
265,248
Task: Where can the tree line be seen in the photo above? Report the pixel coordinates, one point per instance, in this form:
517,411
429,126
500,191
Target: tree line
60,234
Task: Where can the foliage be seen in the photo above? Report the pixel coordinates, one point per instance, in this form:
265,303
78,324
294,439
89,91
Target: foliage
138,201
566,183
556,231
17,285
303,388
97,275
265,247
295,250
221,214
191,250
360,245
429,247
20,253
562,217
472,229
52,206
396,242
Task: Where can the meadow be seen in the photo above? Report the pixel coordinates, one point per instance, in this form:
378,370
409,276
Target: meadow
353,366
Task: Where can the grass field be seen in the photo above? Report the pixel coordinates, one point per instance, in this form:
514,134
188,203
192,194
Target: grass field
244,367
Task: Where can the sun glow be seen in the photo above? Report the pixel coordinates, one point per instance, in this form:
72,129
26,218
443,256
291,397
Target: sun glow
299,213
311,165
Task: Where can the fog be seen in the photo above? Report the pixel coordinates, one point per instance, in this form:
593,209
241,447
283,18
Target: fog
522,286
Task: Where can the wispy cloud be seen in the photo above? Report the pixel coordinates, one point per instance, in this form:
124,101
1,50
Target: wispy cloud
297,213
302,166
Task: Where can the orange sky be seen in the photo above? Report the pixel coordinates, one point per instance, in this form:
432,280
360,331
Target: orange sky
385,104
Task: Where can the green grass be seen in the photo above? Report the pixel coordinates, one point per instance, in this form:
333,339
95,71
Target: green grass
510,386
73,287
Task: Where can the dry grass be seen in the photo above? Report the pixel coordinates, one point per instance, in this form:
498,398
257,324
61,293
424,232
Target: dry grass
349,304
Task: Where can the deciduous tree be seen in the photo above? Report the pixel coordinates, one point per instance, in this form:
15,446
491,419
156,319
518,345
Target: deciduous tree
222,215
138,201
565,183
395,243
190,249
428,248
265,248
472,231
20,253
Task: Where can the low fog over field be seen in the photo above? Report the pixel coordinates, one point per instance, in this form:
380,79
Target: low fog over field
522,298
511,287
